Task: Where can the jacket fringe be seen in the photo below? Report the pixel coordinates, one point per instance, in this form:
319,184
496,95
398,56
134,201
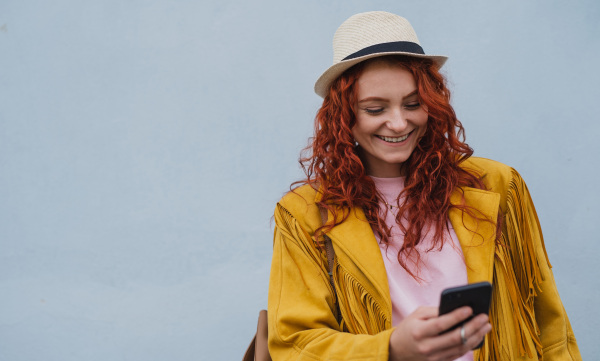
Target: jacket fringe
517,279
307,243
361,314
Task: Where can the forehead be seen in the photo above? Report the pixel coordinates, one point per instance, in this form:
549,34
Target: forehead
384,75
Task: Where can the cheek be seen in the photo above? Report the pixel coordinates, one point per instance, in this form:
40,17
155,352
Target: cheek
354,132
423,117
359,129
423,120
423,124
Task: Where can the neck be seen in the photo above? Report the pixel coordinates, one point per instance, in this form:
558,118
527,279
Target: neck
386,172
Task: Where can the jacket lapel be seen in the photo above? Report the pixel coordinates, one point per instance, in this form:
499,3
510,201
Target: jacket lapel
476,237
357,250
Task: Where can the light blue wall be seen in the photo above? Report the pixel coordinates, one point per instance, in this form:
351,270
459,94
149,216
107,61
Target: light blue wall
143,145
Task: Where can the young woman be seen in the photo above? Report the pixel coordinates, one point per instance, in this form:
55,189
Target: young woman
410,213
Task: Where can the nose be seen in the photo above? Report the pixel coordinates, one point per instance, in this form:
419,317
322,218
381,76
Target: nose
397,121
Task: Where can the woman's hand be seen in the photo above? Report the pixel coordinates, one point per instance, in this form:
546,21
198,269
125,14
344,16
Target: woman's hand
418,337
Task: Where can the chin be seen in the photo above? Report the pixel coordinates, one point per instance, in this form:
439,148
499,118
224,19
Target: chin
398,160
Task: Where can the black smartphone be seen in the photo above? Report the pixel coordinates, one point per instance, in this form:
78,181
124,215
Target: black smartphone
475,295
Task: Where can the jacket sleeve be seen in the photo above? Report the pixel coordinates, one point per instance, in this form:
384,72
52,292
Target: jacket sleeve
555,333
302,323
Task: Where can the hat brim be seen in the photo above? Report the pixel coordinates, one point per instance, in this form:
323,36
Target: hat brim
325,80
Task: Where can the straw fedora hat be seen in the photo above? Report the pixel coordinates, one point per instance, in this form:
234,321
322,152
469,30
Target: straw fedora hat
368,35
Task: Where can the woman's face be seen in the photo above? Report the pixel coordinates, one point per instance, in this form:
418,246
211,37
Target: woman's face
390,119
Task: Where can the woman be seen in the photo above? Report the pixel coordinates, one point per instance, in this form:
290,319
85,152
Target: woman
410,213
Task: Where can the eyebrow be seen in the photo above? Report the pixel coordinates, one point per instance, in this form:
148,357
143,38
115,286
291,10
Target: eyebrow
414,92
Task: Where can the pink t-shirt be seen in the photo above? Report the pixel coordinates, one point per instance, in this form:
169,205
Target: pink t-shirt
438,269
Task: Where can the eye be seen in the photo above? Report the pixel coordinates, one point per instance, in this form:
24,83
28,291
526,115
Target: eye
373,110
412,105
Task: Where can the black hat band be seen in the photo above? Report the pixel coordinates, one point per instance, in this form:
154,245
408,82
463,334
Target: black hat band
396,46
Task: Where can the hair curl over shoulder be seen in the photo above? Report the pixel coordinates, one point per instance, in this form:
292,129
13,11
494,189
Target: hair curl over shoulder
334,164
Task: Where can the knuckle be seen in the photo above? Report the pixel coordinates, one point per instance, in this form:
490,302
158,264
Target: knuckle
456,337
439,328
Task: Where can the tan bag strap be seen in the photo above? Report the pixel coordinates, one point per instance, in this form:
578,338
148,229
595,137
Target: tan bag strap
258,349
328,247
330,261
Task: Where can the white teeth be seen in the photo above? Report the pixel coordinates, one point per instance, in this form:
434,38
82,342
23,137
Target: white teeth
394,140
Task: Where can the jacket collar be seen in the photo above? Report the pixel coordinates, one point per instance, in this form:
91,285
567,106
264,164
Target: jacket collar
358,252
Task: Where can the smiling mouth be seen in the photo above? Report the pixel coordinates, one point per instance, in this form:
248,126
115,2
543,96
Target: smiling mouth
393,139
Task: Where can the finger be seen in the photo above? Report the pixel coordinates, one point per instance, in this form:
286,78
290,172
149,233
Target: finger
453,339
451,353
471,333
475,331
440,324
472,330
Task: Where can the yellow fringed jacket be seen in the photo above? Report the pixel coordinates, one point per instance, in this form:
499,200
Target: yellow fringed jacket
528,319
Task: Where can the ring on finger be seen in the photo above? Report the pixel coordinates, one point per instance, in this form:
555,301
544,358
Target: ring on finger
463,337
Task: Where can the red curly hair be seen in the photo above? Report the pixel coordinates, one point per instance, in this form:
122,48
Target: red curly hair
432,171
